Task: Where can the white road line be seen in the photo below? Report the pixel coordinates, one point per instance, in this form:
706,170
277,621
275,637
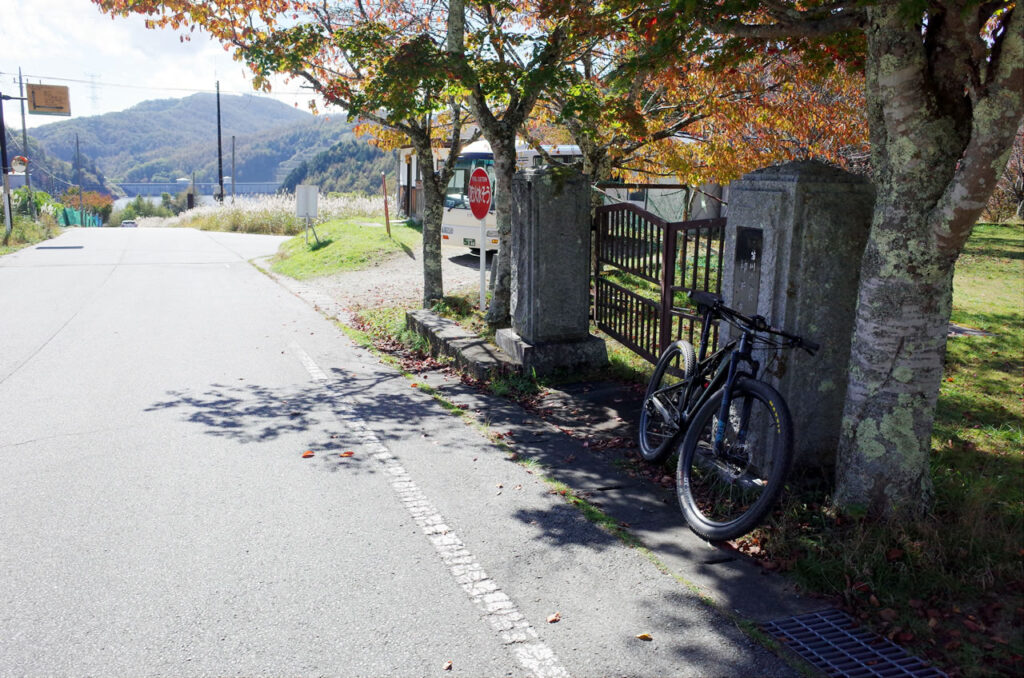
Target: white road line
307,362
500,611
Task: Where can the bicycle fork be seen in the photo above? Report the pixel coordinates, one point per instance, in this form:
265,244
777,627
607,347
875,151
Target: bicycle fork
742,353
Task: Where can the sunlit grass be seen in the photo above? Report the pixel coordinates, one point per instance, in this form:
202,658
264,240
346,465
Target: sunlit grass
951,582
344,245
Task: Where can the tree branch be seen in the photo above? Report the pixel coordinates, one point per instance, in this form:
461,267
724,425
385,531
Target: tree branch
996,117
792,23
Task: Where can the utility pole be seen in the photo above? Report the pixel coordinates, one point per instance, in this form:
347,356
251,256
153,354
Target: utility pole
8,215
24,144
234,177
220,151
8,223
81,192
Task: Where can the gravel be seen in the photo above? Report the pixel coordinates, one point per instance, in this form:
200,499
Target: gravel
398,280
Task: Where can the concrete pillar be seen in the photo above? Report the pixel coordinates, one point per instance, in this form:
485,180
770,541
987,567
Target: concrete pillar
793,251
551,273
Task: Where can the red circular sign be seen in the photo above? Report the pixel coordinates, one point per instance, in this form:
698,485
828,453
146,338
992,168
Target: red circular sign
480,193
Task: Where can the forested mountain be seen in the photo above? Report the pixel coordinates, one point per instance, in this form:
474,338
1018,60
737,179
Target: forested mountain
52,174
347,166
166,139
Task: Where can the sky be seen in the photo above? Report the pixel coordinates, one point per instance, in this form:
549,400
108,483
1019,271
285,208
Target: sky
112,64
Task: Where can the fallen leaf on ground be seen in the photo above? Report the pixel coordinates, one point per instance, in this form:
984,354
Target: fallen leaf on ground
448,666
644,636
349,453
972,626
555,618
307,454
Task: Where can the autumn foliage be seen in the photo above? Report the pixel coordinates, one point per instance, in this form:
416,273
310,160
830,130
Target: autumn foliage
92,201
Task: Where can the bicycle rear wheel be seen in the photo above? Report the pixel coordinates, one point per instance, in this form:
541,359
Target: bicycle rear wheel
659,416
725,493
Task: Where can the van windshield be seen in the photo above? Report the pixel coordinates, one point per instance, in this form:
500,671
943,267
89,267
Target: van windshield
457,195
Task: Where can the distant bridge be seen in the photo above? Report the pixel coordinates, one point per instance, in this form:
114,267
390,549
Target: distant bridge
153,189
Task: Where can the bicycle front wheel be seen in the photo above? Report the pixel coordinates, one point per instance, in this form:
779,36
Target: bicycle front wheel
660,415
726,489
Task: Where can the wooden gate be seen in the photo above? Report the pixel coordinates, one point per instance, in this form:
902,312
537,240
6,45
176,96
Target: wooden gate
644,266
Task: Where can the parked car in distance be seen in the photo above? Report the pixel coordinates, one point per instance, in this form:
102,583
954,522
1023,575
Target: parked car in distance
128,223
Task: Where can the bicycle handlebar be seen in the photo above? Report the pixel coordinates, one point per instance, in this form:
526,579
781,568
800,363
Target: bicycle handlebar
757,323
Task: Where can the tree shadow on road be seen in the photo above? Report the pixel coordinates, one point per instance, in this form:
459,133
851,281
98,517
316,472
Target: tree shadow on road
328,416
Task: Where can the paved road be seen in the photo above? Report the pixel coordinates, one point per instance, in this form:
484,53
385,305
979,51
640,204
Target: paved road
158,517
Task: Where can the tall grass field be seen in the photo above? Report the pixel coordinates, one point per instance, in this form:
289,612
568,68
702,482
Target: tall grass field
271,214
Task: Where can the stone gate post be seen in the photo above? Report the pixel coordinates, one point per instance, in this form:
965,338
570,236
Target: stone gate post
793,251
551,273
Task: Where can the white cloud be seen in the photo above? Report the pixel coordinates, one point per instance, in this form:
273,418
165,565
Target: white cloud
112,64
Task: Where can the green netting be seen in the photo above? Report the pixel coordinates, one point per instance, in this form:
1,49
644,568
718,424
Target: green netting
70,217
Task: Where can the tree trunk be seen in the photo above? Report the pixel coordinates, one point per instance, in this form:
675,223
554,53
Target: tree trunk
504,151
936,157
896,363
433,211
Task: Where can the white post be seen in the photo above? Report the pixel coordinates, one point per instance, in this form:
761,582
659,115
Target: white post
483,265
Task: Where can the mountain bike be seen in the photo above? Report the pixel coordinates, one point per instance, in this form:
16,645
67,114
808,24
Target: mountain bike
733,432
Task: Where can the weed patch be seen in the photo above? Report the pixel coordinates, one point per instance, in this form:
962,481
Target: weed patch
465,310
25,232
384,330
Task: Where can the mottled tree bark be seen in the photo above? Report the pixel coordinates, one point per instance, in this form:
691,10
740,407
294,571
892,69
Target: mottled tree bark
937,153
504,150
433,212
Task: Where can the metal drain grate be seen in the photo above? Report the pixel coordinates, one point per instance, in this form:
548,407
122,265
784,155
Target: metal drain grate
832,642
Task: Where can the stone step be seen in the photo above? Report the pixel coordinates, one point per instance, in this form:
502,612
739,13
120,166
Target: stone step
474,355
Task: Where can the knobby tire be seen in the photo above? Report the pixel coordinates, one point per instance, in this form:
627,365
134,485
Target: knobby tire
657,435
726,496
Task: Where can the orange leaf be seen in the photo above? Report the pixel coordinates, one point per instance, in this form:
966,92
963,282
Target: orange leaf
349,453
555,618
307,454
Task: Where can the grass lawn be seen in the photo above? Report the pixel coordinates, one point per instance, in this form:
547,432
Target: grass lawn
949,586
345,245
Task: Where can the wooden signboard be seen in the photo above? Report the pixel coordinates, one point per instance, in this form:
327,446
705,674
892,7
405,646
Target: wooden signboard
48,100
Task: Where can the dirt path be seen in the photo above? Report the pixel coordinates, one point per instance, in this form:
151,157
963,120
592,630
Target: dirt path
397,280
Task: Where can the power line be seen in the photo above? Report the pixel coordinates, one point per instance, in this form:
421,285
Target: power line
97,83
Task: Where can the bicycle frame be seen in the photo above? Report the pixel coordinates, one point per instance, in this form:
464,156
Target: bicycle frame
699,388
732,461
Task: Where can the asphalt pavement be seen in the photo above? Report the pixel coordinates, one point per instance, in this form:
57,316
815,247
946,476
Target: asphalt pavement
162,513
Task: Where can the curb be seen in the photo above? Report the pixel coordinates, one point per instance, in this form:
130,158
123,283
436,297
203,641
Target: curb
474,355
